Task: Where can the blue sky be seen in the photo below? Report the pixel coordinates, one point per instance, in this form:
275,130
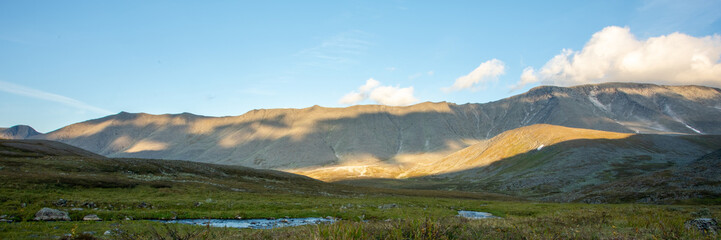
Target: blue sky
63,62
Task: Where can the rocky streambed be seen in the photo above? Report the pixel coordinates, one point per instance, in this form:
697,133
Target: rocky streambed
252,223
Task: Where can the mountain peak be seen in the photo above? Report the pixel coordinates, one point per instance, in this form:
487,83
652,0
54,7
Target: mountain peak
18,132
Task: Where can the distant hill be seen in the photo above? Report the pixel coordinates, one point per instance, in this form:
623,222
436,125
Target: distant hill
56,167
556,163
383,141
699,178
41,148
18,132
42,162
505,145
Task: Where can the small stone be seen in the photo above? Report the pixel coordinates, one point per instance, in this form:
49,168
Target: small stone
89,233
109,232
388,206
89,205
92,217
76,209
61,202
197,204
49,214
706,225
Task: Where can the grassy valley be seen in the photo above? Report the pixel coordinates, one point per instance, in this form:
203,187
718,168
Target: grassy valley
128,193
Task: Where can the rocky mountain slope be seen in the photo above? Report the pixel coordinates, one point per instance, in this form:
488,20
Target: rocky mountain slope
699,178
556,163
18,132
382,141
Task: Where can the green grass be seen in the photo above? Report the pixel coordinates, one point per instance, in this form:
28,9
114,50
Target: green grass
520,221
143,190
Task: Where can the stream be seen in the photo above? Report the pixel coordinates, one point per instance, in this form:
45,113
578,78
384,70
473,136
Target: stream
288,222
252,223
475,215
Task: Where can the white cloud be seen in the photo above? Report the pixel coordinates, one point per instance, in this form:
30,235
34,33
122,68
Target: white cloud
488,70
34,93
615,55
527,77
370,85
352,98
386,95
393,96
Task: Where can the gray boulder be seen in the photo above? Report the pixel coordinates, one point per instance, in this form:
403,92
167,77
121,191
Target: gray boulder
49,214
706,225
92,217
5,218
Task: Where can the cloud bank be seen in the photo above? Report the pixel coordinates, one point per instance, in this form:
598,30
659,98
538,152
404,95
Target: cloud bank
487,71
614,54
34,93
385,95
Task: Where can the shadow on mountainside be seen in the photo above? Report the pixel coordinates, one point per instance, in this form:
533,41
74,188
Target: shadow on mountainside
298,138
644,168
378,135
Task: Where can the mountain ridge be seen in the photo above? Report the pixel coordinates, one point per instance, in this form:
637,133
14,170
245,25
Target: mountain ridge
392,137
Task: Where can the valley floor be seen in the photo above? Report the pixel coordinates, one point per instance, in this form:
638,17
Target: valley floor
127,193
371,216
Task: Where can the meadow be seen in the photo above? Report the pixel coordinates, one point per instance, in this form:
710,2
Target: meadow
129,193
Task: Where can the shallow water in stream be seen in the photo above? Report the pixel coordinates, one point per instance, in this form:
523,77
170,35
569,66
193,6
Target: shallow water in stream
252,223
288,222
475,215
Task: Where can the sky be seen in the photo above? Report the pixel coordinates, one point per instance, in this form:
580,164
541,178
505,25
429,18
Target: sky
63,62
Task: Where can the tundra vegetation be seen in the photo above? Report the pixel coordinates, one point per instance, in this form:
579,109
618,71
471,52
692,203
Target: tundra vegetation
127,194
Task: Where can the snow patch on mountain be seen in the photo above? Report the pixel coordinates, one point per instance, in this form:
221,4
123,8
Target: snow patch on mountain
673,115
592,97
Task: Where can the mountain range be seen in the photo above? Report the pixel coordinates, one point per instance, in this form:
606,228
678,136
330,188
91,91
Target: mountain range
546,141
